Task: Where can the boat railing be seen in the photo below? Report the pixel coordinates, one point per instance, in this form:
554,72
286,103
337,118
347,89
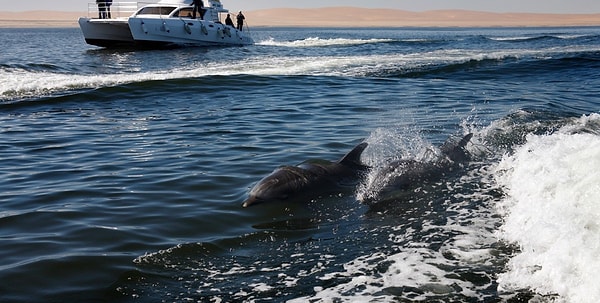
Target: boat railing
117,9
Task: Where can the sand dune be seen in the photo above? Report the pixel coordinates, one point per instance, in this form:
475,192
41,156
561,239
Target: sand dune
39,19
342,17
355,17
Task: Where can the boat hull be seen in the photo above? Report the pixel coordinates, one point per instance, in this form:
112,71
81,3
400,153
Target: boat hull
106,32
185,32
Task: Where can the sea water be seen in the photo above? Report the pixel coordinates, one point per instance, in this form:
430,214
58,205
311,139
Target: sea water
123,171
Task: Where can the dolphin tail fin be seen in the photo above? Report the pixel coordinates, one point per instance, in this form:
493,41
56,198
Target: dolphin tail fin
353,156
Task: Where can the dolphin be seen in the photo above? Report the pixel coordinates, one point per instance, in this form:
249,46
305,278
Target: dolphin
308,178
404,174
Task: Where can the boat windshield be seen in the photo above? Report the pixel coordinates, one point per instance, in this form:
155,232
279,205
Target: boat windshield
156,10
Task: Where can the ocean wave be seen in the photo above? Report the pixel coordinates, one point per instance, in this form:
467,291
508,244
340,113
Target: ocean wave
23,83
480,65
550,210
319,42
541,37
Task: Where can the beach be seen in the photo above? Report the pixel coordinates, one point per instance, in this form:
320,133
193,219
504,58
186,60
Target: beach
342,17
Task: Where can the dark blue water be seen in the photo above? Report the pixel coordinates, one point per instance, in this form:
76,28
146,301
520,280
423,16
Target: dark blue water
122,172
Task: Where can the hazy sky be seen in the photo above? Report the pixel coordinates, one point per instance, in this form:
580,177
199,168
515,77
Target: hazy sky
529,6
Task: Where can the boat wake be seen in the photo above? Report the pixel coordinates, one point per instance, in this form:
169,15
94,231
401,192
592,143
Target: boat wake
22,81
551,210
319,42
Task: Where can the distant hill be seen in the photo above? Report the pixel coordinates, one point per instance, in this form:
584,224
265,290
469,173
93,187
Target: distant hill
39,19
343,17
358,17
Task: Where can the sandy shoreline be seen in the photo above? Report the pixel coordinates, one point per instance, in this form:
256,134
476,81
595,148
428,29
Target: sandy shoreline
342,17
354,17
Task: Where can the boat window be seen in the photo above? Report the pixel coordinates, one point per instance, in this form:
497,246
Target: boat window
184,12
156,10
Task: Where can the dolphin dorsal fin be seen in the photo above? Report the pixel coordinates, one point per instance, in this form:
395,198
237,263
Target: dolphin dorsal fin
353,156
463,142
456,151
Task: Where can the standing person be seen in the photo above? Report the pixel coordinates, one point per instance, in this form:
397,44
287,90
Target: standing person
108,3
240,21
198,5
228,21
101,9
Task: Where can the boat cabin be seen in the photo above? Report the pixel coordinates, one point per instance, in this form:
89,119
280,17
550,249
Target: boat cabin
183,9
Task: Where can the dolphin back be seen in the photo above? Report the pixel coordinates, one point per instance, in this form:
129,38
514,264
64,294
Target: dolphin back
288,182
352,158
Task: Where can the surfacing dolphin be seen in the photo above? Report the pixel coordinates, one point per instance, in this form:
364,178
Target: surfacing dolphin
308,179
404,174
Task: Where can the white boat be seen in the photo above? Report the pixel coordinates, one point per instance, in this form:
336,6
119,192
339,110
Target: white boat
167,23
108,32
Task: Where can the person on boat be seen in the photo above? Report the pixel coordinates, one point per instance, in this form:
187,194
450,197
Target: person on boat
228,21
198,7
108,3
240,21
101,9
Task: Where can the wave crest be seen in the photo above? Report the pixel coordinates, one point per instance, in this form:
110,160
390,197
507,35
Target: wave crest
319,42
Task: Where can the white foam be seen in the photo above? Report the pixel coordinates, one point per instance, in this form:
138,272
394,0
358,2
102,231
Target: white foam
19,84
572,36
319,42
260,287
519,38
416,265
552,212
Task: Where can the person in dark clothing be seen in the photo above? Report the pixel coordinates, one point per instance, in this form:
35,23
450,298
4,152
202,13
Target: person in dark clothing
101,9
240,21
198,7
228,21
108,3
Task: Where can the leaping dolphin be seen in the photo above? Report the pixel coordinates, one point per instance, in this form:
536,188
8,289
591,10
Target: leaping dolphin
403,174
309,178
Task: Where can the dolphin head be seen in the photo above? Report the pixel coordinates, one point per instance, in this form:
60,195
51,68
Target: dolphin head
277,186
267,189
